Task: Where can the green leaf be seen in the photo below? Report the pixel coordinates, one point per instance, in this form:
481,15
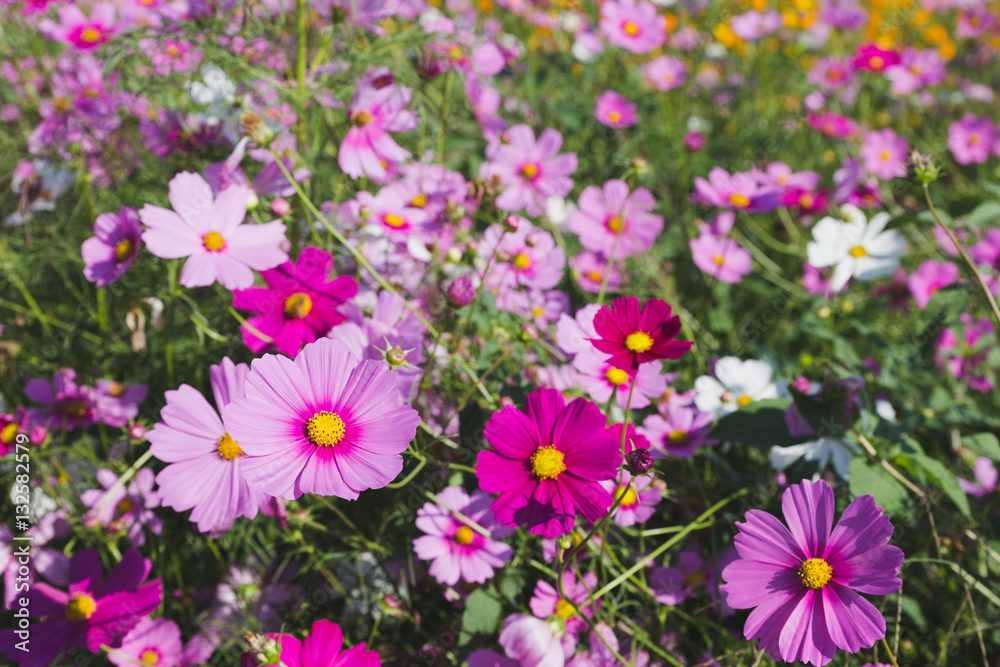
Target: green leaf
987,212
946,480
867,479
481,616
984,444
758,424
912,609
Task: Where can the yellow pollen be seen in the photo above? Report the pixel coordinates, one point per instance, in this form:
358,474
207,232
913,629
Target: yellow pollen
124,506
858,251
76,408
393,220
628,495
614,116
173,50
973,139
455,52
123,250
228,448
616,376
677,437
8,433
464,536
116,389
744,400
537,312
530,170
150,657
694,578
630,29
61,104
325,429
419,201
213,241
639,341
90,35
814,573
522,261
615,223
362,118
806,201
739,199
547,462
595,276
564,609
884,155
80,607
719,259
298,305
876,62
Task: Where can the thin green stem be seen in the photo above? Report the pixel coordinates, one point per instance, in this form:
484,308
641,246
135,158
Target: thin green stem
892,658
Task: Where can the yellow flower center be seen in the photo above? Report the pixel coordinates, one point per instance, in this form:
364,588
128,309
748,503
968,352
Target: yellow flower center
228,448
537,312
8,433
124,506
719,259
814,573
362,118
616,376
393,220
630,29
61,104
80,607
325,429
116,389
595,276
530,170
464,536
173,50
639,341
455,52
806,201
419,201
150,657
547,462
743,400
739,199
876,62
615,223
90,35
677,437
522,261
298,305
858,251
694,578
123,250
564,609
213,241
973,139
76,408
614,116
628,496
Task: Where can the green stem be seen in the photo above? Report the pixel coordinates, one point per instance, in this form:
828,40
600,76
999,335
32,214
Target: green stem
892,658
444,115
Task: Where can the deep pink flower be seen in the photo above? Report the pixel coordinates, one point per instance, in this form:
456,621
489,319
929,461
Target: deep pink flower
874,59
832,124
458,551
367,149
634,335
633,26
113,248
210,233
885,154
803,580
610,217
324,423
298,306
81,31
972,139
548,463
530,171
64,403
92,613
720,257
929,278
614,110
959,350
807,200
322,648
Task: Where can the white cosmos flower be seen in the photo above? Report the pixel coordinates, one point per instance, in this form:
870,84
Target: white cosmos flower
822,451
736,383
856,247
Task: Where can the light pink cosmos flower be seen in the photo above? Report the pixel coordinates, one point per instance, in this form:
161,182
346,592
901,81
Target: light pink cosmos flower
76,29
929,278
589,268
548,602
614,110
633,26
528,257
917,69
151,642
530,171
986,478
211,235
972,139
664,73
885,154
611,218
739,191
754,25
600,379
780,175
532,642
458,551
679,430
128,508
639,500
573,334
367,148
721,257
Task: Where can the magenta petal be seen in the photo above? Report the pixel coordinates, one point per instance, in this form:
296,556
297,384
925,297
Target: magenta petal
323,643
852,621
764,538
808,509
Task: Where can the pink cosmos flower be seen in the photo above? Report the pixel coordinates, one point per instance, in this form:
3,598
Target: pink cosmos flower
688,576
528,257
117,404
78,30
600,379
959,350
780,175
211,235
614,110
917,69
322,648
972,139
832,124
113,248
573,334
754,25
874,59
589,268
64,403
986,478
633,26
547,602
679,430
532,642
127,508
324,423
548,463
611,218
530,171
634,335
740,191
929,278
640,496
831,73
720,257
298,306
885,154
664,73
151,642
803,580
205,462
374,112
92,613
458,551
391,213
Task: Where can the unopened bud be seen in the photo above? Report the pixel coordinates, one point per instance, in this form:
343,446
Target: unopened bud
280,207
255,128
461,292
639,461
253,201
137,431
511,223
264,650
924,167
38,435
396,356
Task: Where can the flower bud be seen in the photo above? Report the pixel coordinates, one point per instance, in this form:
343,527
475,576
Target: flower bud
461,292
924,168
639,461
280,207
396,356
511,223
264,650
38,435
255,128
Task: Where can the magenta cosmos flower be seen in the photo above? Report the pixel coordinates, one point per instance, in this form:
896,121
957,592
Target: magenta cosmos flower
531,171
972,139
614,110
205,461
548,463
322,649
210,233
721,257
76,29
873,58
633,26
929,278
92,613
885,154
64,403
634,335
610,217
458,551
324,423
803,580
298,306
367,148
113,248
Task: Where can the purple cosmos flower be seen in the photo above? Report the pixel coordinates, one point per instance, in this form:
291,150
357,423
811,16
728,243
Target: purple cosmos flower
530,171
205,461
678,431
688,576
298,306
885,154
929,278
610,217
803,580
127,508
640,496
324,423
113,248
92,613
374,112
664,73
614,110
210,233
740,191
633,26
720,257
118,404
458,551
972,139
64,403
